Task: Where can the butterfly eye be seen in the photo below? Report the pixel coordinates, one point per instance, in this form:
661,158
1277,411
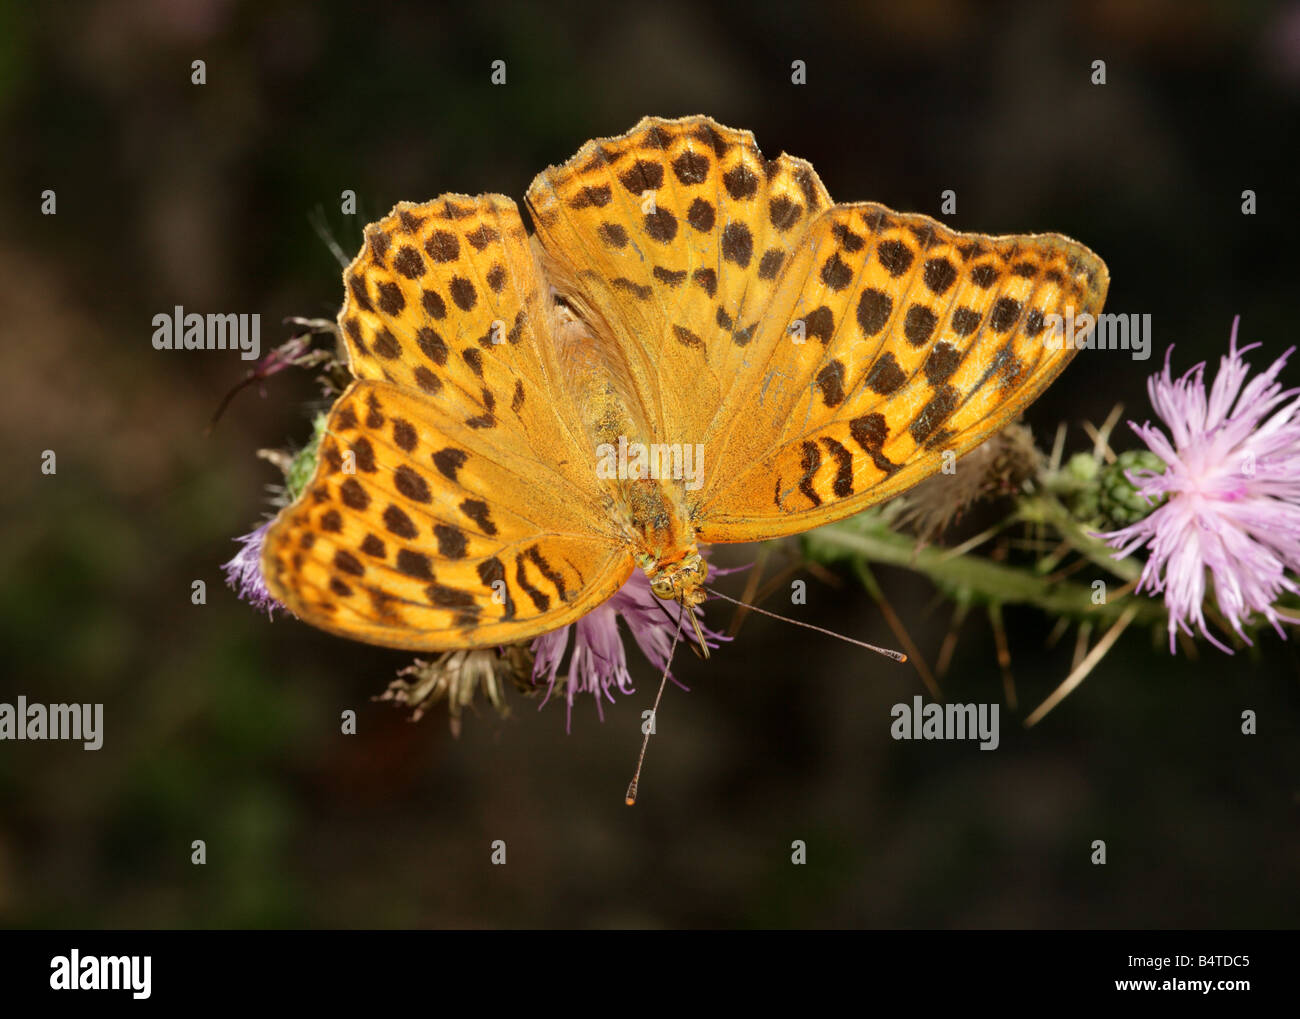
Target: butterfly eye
662,587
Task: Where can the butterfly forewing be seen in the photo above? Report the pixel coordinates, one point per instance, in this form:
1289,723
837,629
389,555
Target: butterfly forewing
672,238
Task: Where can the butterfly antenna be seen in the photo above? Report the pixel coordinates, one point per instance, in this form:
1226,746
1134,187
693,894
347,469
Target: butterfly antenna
321,225
225,401
630,797
897,656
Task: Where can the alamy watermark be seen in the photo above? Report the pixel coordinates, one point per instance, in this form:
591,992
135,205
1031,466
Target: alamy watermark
1106,331
23,721
77,972
192,331
946,721
633,461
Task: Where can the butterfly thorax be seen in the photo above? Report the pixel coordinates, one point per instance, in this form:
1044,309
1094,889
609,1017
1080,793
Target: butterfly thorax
643,478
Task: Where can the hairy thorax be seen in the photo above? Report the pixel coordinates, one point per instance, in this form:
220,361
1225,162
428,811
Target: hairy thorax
652,510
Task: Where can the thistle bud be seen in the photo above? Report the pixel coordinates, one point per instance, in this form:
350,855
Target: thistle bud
1119,501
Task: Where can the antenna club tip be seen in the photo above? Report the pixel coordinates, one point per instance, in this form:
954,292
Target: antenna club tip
902,657
630,796
630,801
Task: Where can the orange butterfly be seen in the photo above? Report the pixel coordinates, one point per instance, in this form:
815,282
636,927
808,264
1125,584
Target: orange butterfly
696,346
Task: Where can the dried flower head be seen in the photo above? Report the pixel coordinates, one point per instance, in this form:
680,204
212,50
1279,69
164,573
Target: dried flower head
998,466
458,676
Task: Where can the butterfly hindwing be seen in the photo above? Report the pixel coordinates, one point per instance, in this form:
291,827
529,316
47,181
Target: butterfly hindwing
891,340
413,533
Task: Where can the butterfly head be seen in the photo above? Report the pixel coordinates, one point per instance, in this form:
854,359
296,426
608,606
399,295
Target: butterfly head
681,580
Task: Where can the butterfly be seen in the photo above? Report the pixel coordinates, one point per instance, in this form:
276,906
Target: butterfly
696,345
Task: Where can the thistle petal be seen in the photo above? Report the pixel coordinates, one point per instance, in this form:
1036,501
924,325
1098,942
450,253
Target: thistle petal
1231,515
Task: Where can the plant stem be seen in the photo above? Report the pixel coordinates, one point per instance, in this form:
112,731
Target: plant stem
972,578
1043,508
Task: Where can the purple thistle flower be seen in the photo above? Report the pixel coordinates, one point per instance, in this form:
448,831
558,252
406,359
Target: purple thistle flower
244,571
598,664
1232,494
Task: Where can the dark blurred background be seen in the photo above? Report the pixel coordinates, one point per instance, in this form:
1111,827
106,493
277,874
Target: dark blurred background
224,727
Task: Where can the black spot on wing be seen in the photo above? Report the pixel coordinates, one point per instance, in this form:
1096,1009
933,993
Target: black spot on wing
539,598
870,432
842,486
810,460
942,403
547,571
493,574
